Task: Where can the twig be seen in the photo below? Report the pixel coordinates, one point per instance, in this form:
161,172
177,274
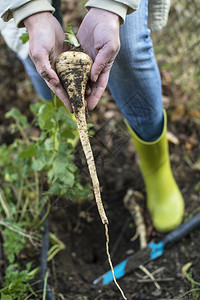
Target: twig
33,293
45,286
157,280
4,204
150,276
17,230
135,211
19,194
153,273
45,215
11,186
24,208
134,238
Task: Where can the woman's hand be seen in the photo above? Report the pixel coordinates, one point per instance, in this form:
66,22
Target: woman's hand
46,40
99,36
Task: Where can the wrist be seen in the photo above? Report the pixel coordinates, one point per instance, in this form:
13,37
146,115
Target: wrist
105,14
115,7
30,8
32,20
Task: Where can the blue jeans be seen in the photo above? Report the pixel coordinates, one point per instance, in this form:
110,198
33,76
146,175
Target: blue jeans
38,82
134,81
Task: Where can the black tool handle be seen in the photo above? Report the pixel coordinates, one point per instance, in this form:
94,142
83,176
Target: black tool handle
183,230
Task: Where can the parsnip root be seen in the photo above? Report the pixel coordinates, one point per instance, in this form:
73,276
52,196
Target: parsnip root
135,210
73,68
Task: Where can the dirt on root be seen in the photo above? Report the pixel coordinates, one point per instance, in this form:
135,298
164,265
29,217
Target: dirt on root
73,270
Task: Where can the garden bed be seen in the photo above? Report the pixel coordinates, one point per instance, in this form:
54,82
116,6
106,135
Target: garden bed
79,227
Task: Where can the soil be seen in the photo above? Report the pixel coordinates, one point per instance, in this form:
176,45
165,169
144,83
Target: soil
73,270
73,78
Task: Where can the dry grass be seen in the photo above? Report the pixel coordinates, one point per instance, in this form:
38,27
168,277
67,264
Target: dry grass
177,48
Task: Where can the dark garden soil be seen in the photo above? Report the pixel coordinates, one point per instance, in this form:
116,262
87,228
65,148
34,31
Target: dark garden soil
79,227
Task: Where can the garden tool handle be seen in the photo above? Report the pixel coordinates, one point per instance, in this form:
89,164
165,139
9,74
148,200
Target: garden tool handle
183,230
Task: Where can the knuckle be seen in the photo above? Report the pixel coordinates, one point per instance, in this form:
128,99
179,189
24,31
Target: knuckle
115,48
102,66
44,73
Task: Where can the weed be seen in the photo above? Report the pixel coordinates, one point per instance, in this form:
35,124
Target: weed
34,169
194,290
17,283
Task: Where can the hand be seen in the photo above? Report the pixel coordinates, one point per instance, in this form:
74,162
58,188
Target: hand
99,36
46,40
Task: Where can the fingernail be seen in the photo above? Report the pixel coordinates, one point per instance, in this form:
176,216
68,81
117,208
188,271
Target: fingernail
88,91
95,78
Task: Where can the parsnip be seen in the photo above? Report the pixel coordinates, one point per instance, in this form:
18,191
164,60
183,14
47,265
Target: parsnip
73,68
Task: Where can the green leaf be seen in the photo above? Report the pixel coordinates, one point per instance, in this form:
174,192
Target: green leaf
16,115
67,178
59,166
42,136
24,37
71,38
36,106
30,151
16,284
45,116
71,167
54,189
40,163
48,144
5,297
64,115
13,243
197,187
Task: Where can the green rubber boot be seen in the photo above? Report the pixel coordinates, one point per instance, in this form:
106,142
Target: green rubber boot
164,199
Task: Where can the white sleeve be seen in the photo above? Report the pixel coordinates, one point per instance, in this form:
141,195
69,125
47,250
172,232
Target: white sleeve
6,7
21,9
119,7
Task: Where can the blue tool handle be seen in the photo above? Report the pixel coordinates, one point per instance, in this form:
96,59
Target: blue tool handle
183,230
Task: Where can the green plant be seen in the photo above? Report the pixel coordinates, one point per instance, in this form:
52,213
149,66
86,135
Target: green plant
195,291
33,170
54,151
13,244
42,166
17,283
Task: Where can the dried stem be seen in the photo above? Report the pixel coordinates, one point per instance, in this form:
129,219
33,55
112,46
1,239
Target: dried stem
135,211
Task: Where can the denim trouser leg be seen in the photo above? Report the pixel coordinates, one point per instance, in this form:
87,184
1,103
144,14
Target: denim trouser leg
135,79
38,82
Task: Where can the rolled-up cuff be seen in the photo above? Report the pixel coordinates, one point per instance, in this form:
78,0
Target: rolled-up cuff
110,5
29,9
